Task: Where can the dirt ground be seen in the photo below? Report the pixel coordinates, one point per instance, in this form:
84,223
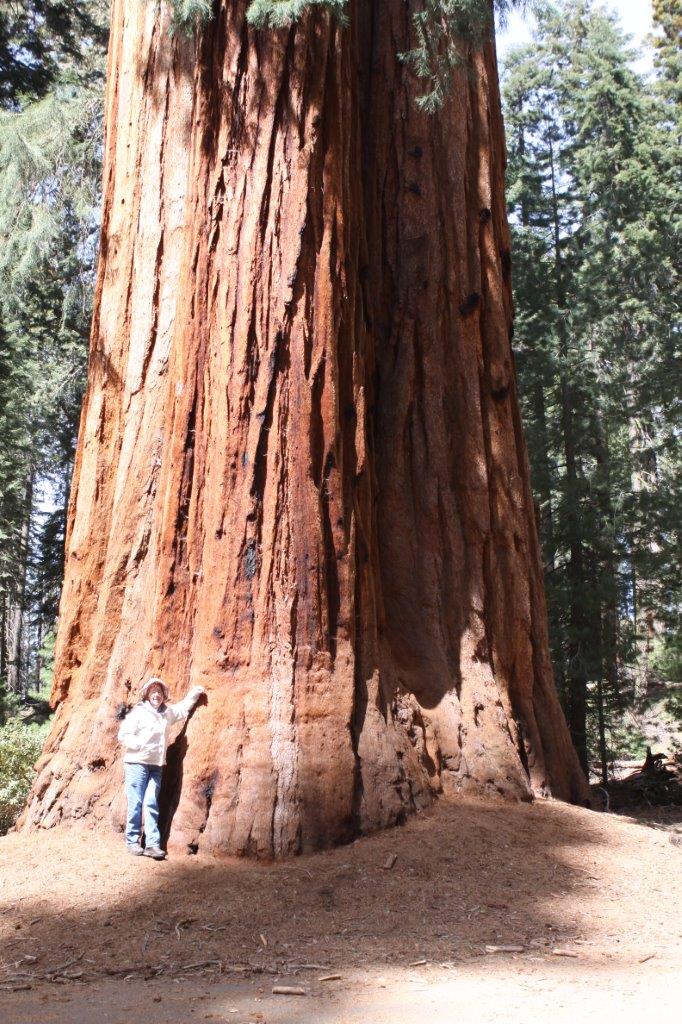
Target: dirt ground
90,935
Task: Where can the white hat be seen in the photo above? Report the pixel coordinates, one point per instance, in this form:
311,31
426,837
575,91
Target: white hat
154,681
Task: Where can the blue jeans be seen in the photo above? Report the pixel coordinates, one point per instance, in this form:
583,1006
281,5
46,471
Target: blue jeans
142,784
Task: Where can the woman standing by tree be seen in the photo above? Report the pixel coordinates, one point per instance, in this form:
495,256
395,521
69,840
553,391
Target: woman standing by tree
144,734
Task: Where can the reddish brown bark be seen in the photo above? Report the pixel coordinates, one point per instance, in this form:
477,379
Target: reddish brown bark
301,480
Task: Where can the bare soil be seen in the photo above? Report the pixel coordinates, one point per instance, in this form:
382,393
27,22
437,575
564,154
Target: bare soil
90,934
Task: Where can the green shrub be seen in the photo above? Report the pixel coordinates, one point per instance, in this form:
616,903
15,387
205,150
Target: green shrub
666,657
20,746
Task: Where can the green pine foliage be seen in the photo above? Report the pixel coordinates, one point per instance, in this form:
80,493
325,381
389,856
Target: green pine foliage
50,168
44,349
278,13
38,39
444,30
667,41
190,13
263,14
15,449
20,746
49,171
595,203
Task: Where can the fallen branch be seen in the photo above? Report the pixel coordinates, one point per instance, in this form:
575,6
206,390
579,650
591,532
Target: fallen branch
306,967
201,963
69,963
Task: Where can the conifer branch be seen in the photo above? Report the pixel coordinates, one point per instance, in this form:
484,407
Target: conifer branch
277,13
445,31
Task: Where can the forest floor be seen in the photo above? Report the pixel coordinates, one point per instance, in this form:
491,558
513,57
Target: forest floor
403,925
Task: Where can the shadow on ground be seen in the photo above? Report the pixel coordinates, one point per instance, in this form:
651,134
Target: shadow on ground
440,889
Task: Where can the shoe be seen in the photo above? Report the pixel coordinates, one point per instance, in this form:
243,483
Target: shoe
155,852
134,849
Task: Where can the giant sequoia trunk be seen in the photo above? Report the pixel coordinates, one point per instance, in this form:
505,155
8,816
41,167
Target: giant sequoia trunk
301,480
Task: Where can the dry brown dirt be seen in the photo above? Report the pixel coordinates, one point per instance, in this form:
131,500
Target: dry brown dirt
90,934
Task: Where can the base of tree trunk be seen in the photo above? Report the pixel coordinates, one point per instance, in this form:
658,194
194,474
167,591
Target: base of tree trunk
403,758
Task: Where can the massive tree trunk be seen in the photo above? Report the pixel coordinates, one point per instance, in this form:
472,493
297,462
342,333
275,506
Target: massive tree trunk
301,480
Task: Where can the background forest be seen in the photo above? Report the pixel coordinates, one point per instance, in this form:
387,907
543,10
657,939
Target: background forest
594,198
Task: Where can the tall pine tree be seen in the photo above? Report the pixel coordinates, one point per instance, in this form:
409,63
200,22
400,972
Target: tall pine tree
51,72
595,210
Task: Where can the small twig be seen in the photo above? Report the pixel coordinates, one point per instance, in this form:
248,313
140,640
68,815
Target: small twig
308,967
262,969
201,963
69,963
182,922
607,798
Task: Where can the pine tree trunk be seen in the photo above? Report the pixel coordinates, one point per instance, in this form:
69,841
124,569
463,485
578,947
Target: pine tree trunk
39,627
601,727
3,648
17,681
543,476
301,480
576,673
608,571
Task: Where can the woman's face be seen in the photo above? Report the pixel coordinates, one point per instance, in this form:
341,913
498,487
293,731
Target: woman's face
155,696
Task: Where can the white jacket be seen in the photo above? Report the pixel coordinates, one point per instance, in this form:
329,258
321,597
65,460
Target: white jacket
144,732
